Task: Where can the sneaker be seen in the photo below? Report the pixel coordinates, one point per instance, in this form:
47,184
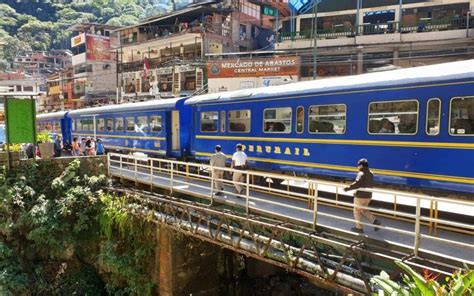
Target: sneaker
219,193
376,222
358,230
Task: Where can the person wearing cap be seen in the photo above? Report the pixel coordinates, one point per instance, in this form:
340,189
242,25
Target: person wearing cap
365,179
239,162
218,161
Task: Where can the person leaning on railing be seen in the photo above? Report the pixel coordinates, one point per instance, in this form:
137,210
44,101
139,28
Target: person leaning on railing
365,179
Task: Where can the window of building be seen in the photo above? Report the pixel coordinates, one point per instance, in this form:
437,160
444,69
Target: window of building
142,124
130,124
300,119
101,124
461,120
109,123
119,124
209,121
223,123
155,124
399,117
327,119
277,120
433,117
28,88
239,121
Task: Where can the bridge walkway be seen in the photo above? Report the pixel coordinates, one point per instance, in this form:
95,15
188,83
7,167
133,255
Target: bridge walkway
411,225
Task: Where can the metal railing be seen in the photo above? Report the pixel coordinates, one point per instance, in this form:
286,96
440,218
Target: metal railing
427,25
288,202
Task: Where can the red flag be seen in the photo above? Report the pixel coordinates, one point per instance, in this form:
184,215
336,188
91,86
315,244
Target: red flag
146,67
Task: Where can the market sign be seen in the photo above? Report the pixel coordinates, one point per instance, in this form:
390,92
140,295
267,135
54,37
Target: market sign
256,67
20,114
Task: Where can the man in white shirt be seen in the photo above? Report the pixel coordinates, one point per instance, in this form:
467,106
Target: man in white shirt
218,161
239,162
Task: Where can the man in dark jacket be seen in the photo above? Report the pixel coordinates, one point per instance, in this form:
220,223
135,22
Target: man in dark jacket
365,179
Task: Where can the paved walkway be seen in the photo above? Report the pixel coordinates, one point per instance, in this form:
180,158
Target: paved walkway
297,211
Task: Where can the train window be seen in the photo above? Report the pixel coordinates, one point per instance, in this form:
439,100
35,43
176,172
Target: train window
461,120
433,114
155,123
87,124
119,124
130,124
109,124
327,119
142,124
101,124
57,127
78,125
239,121
398,117
209,121
73,125
277,120
299,119
223,123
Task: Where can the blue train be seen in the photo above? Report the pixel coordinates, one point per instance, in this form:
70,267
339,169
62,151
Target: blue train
416,126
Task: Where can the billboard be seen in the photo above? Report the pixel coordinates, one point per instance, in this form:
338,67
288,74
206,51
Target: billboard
78,40
256,67
98,48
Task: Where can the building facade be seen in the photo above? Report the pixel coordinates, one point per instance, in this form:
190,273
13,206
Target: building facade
94,65
165,56
364,36
42,64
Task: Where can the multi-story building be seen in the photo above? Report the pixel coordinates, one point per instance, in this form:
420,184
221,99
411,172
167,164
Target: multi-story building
42,64
95,79
367,35
21,85
60,92
164,56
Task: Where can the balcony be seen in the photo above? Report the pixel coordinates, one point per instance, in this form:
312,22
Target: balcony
423,25
164,61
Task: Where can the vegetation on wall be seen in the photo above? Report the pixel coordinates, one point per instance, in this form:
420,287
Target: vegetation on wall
61,235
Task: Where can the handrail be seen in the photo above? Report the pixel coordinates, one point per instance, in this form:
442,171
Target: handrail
152,167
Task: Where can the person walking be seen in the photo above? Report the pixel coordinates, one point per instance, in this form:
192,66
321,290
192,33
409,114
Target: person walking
218,161
239,162
365,179
58,146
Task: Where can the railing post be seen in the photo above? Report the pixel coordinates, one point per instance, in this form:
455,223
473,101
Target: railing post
136,172
315,206
417,226
247,195
171,177
211,170
121,168
151,173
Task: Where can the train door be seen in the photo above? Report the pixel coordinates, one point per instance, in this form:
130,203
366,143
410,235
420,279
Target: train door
175,143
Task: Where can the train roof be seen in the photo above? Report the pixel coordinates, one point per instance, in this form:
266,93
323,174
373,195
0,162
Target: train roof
55,115
407,76
128,107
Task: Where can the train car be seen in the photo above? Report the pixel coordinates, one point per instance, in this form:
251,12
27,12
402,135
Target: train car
58,123
157,127
415,126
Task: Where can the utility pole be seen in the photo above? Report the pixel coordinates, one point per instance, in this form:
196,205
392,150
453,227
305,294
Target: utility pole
357,26
315,39
117,76
400,19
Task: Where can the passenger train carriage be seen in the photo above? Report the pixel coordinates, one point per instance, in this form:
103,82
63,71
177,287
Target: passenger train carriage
416,126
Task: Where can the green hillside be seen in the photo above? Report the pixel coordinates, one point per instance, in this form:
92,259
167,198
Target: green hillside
27,25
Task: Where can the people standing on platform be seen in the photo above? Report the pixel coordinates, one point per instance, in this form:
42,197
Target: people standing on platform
365,179
83,146
218,161
76,147
100,147
58,146
90,147
239,162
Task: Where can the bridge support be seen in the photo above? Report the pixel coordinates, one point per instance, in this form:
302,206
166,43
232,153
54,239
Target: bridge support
184,265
